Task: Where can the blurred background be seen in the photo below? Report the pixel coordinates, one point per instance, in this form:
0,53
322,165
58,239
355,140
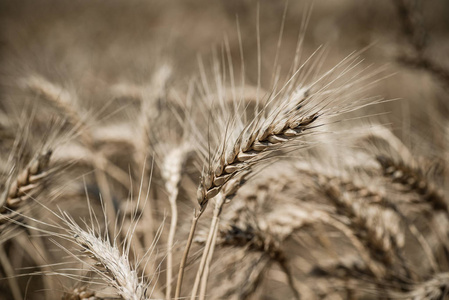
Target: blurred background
93,45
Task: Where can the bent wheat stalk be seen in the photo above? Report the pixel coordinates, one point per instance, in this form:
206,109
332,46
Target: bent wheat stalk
255,142
279,123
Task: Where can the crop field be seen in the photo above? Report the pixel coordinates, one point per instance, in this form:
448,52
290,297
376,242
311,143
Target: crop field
224,149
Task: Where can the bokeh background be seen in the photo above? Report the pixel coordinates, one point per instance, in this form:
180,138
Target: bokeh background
92,45
104,49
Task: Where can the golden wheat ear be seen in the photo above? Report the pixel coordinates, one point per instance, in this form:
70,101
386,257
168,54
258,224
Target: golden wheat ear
25,186
108,260
286,120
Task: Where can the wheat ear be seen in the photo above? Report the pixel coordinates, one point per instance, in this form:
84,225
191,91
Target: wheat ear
119,273
365,218
414,180
66,102
251,146
26,185
277,124
172,172
436,287
256,140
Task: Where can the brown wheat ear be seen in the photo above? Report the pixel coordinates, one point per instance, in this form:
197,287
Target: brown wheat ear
26,185
413,180
250,147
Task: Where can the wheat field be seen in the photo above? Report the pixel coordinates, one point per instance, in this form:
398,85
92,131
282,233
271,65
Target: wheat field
224,149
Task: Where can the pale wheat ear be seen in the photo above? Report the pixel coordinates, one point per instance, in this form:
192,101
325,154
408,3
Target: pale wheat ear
119,273
172,169
111,259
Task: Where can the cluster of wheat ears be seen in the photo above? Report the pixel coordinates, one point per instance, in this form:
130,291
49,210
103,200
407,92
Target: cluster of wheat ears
217,189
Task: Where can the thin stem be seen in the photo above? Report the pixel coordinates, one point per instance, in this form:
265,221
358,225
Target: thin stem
203,287
186,253
9,271
291,282
207,247
210,237
171,237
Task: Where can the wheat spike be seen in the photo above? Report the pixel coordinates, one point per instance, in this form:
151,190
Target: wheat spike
413,180
27,184
119,272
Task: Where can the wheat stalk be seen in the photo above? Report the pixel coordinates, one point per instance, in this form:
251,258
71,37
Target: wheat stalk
280,122
172,169
272,129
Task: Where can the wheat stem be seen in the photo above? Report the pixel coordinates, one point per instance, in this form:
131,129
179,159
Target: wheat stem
283,264
203,287
9,270
209,243
182,265
207,247
170,243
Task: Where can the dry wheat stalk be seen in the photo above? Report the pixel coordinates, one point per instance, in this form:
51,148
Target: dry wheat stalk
150,98
283,119
280,122
226,194
268,131
172,169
